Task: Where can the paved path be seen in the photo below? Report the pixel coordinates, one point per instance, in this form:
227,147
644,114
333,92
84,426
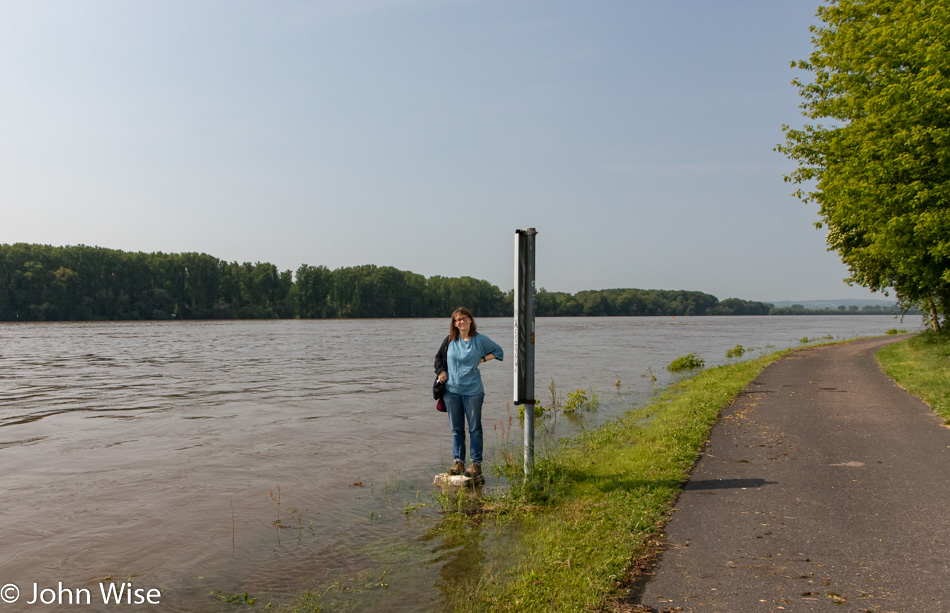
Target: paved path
824,487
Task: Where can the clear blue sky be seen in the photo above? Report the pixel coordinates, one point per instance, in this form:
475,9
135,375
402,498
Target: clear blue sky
635,135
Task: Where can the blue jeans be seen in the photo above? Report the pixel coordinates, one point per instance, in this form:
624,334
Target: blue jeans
460,409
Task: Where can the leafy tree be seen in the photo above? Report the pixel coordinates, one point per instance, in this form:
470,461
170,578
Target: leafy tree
313,286
545,302
594,303
880,168
568,306
735,306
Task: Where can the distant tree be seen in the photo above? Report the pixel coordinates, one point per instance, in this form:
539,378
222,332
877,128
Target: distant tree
735,306
313,287
593,303
545,303
880,168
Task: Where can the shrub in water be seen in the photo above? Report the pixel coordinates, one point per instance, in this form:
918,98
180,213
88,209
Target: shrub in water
735,352
579,401
686,362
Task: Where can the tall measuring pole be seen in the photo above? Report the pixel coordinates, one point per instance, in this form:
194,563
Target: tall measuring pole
524,337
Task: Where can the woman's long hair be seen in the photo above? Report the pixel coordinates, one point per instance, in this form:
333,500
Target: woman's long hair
453,331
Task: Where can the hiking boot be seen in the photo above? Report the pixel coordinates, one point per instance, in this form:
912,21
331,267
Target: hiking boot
457,467
475,472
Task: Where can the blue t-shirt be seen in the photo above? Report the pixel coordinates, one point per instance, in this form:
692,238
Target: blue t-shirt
464,357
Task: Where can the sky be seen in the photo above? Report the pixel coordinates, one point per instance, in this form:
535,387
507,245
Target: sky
636,136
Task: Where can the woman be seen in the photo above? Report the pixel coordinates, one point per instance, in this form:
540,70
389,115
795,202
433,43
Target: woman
456,364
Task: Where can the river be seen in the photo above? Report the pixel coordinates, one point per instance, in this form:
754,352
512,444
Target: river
152,453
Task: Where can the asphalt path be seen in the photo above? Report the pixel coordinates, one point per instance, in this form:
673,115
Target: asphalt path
824,487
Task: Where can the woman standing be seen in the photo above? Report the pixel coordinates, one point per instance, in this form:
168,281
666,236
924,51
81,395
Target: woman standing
457,364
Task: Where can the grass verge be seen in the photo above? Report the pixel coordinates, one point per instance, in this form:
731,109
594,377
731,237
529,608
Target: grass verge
921,365
575,532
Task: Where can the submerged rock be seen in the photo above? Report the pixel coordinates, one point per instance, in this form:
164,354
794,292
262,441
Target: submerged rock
445,479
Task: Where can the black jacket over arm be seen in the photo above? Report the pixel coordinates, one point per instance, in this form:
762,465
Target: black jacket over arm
442,357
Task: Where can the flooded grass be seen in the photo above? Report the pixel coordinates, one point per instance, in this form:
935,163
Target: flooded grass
566,539
575,531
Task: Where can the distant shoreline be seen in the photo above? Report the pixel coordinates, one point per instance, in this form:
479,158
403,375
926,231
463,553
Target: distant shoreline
81,283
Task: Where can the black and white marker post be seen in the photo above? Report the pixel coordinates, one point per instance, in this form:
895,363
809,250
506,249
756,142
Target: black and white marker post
524,337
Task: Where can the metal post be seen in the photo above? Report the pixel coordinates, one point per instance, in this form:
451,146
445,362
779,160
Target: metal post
524,336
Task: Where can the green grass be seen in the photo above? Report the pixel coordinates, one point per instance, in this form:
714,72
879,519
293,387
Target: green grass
597,504
921,365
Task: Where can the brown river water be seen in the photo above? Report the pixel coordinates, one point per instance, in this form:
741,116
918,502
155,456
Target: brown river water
148,453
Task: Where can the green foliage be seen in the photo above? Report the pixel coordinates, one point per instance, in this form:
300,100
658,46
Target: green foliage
539,409
896,331
44,283
645,302
880,167
686,362
797,309
39,282
921,365
579,401
735,352
233,598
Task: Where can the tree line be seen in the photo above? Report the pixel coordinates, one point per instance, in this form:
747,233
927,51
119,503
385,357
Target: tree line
640,302
870,309
81,283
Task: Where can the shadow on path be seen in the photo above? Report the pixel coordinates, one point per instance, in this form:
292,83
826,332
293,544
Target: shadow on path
725,484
